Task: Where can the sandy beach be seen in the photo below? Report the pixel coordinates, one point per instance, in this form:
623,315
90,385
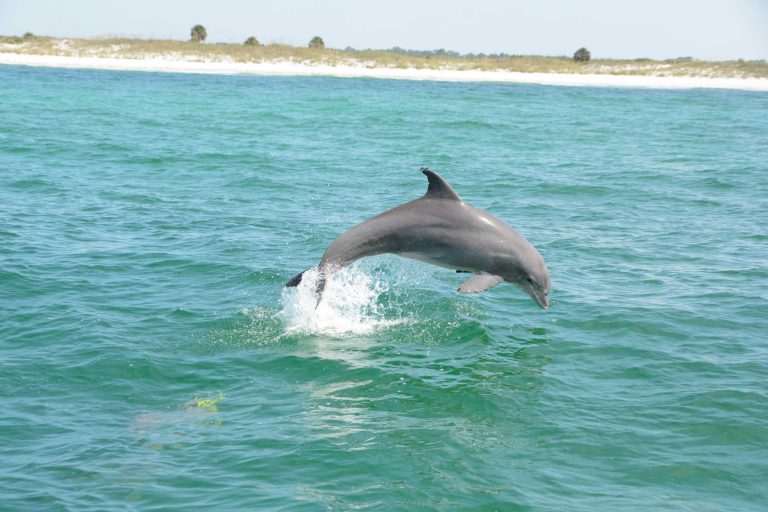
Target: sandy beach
286,68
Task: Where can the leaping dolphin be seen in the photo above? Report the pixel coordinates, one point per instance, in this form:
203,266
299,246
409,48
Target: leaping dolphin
441,229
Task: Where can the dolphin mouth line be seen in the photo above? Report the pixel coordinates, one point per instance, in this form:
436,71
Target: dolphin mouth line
539,297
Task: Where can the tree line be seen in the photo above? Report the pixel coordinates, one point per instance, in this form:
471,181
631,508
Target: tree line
199,34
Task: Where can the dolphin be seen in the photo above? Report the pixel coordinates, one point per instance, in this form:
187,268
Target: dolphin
441,229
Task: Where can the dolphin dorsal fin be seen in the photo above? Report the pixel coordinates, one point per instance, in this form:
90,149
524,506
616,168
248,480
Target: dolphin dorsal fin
438,188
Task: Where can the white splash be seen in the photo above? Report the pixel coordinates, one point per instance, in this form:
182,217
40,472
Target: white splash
349,306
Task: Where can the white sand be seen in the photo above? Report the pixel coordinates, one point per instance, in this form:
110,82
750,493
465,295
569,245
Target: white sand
170,64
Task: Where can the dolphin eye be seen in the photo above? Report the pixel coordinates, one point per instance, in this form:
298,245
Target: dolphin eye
529,280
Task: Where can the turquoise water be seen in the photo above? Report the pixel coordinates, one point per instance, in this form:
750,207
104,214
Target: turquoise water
151,360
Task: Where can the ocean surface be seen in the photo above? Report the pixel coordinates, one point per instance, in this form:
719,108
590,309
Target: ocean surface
150,358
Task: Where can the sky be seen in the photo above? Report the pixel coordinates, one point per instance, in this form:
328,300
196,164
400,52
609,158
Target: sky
658,29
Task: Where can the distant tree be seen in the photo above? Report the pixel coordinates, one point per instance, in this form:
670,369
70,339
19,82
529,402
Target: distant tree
316,42
28,35
198,33
582,55
252,41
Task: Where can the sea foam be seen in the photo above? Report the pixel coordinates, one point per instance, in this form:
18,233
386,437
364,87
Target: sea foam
350,304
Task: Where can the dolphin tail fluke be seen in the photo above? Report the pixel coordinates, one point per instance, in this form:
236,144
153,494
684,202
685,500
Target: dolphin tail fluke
295,280
319,287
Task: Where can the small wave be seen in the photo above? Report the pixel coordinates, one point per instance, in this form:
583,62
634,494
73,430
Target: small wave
350,305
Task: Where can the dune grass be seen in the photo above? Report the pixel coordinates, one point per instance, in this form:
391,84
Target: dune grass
225,52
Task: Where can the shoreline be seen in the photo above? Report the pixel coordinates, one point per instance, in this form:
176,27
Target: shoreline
286,68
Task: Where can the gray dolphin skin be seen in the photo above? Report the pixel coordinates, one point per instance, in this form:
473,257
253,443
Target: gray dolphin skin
441,229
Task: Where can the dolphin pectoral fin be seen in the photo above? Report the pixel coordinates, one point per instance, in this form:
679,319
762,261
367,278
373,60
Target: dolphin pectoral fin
479,282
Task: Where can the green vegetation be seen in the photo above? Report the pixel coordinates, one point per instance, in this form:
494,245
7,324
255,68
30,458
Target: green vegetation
583,55
198,34
394,58
252,41
317,42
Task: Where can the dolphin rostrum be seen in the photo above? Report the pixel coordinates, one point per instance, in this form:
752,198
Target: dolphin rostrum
441,229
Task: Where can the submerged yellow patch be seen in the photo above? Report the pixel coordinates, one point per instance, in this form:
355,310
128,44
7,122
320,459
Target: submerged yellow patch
207,404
